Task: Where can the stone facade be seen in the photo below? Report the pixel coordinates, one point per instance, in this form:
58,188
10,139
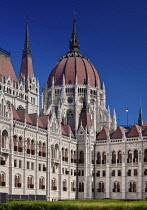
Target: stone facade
73,149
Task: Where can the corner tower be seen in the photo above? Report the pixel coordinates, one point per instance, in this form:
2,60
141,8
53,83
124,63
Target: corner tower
27,77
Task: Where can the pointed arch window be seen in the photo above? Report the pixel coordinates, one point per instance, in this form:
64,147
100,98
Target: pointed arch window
42,183
81,157
145,155
2,179
104,158
70,120
119,160
101,187
135,159
113,157
17,180
116,187
98,161
4,139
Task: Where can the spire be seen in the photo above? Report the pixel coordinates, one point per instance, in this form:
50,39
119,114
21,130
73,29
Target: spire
26,69
74,43
140,118
27,49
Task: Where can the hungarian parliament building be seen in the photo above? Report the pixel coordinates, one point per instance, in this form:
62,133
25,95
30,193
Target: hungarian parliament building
64,143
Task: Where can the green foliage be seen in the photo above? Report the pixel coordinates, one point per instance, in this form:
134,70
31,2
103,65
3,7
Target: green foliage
100,204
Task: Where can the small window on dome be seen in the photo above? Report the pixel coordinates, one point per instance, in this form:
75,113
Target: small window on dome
70,100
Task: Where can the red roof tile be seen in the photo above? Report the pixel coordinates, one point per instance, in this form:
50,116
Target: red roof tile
85,119
72,65
66,130
119,132
103,134
27,67
134,131
6,67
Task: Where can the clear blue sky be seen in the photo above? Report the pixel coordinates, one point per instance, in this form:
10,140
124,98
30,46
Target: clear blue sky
112,33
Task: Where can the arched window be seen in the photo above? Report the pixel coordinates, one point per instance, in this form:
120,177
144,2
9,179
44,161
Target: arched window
98,161
32,147
4,139
44,150
132,186
28,146
73,186
81,187
15,142
30,182
116,187
20,148
81,157
2,179
145,155
64,185
70,119
40,149
129,160
113,157
17,180
42,183
119,160
135,159
101,187
104,158
75,157
54,184
66,155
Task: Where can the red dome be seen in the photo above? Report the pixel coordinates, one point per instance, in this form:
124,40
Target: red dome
72,65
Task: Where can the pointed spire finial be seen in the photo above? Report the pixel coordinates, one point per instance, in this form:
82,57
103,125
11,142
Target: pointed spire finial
27,49
140,117
74,43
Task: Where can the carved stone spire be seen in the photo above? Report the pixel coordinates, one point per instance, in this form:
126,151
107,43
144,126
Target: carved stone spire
74,43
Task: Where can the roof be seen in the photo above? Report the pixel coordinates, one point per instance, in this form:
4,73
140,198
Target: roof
85,120
66,130
74,65
119,132
6,67
103,134
134,131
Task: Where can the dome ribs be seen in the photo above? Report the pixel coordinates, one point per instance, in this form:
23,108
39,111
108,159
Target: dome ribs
59,73
85,71
81,72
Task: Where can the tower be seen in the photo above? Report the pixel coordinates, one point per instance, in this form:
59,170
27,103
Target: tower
28,79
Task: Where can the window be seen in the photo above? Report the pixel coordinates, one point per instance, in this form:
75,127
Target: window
119,172
129,160
64,185
104,158
116,187
39,167
4,139
101,187
145,171
73,188
129,172
30,182
28,165
19,163
135,172
32,147
81,187
98,161
132,187
42,183
32,166
66,155
135,159
20,149
98,173
44,167
2,179
145,155
2,161
70,118
54,185
104,173
113,173
81,157
71,172
113,157
119,160
17,180
15,163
